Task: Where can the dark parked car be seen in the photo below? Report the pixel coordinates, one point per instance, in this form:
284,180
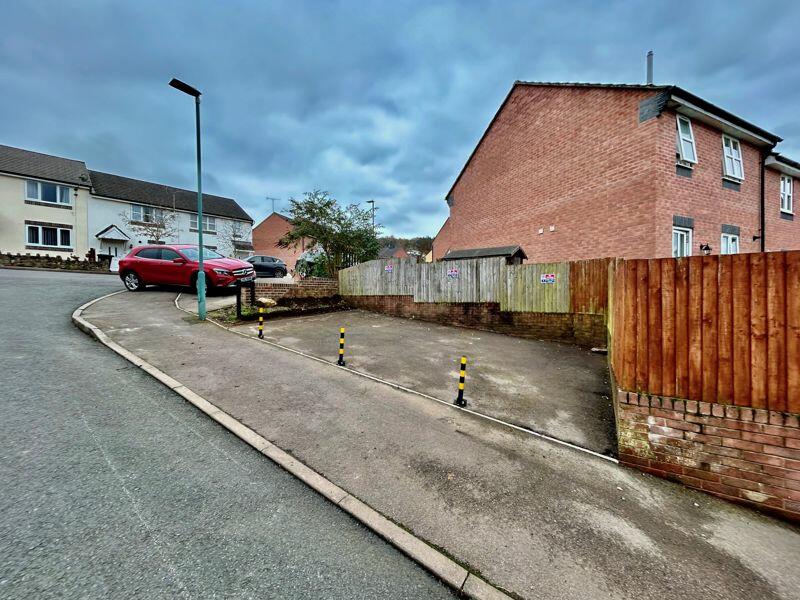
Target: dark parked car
177,264
268,266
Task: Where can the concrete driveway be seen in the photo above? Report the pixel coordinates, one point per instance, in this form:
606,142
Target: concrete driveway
552,388
537,518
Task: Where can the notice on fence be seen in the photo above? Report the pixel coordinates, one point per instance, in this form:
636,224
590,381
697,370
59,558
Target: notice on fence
548,278
452,272
388,268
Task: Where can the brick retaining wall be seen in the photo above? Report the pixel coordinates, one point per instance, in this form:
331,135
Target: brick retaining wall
45,261
305,288
746,455
582,329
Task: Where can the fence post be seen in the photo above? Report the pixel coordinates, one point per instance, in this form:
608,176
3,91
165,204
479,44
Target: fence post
261,322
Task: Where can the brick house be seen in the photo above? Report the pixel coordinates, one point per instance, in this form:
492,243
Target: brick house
266,235
574,171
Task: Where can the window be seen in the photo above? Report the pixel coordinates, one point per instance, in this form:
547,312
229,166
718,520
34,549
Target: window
151,253
681,242
732,158
51,237
729,244
144,214
787,198
167,254
40,191
209,223
685,141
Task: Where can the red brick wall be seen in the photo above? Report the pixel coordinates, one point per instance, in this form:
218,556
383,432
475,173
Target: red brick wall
265,239
782,234
578,159
746,455
574,158
306,288
582,329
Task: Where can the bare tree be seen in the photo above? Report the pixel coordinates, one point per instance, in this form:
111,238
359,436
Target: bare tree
229,233
156,225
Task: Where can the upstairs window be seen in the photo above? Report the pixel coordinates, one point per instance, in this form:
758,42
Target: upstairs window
732,158
143,214
40,191
209,223
685,146
787,198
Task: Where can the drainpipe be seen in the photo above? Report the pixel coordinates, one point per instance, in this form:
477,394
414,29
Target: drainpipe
762,215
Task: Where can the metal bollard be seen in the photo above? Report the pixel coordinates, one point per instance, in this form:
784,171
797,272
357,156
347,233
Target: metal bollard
461,377
261,322
340,362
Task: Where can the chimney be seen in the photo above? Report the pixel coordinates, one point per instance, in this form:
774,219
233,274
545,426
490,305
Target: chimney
650,68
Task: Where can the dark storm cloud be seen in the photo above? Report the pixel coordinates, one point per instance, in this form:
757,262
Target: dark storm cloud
364,99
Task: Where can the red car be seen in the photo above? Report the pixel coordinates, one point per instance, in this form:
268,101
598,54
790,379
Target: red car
177,265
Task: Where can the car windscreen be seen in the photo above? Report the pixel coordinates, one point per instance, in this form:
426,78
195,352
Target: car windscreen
193,254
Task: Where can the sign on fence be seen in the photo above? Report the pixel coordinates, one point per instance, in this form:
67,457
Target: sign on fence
452,273
548,278
388,268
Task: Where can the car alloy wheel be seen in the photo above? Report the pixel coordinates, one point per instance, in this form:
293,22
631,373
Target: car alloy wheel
132,282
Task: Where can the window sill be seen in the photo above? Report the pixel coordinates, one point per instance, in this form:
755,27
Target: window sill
204,231
50,204
732,179
52,248
685,164
787,216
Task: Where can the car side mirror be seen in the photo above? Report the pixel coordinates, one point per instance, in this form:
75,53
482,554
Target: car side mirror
179,261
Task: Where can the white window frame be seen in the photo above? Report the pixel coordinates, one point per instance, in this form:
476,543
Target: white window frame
680,139
147,214
40,235
732,240
687,243
62,191
787,194
735,149
209,223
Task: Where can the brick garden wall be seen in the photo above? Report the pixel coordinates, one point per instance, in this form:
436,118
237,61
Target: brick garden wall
746,455
38,261
305,288
581,329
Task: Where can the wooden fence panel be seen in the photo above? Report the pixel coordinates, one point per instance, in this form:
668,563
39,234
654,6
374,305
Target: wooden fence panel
793,332
740,280
527,292
758,331
588,280
720,329
668,327
725,330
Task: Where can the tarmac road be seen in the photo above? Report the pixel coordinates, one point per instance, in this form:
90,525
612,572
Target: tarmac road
111,486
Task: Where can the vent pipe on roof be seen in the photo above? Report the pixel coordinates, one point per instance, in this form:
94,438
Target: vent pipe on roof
650,68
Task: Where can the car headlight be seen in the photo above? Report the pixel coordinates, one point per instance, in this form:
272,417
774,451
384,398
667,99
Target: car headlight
222,272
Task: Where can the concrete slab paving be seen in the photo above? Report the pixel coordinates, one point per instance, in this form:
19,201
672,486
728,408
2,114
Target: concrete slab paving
556,389
535,518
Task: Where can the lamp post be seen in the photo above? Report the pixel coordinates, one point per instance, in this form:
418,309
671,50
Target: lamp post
372,202
201,274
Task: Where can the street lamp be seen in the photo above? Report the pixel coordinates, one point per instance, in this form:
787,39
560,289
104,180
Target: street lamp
201,274
373,214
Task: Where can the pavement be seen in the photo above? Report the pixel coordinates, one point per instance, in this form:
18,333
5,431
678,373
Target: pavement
536,518
112,486
556,389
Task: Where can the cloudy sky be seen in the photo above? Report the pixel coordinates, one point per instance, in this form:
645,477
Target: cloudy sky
365,99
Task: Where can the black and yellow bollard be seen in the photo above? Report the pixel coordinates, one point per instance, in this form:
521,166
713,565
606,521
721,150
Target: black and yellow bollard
261,322
340,362
462,375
